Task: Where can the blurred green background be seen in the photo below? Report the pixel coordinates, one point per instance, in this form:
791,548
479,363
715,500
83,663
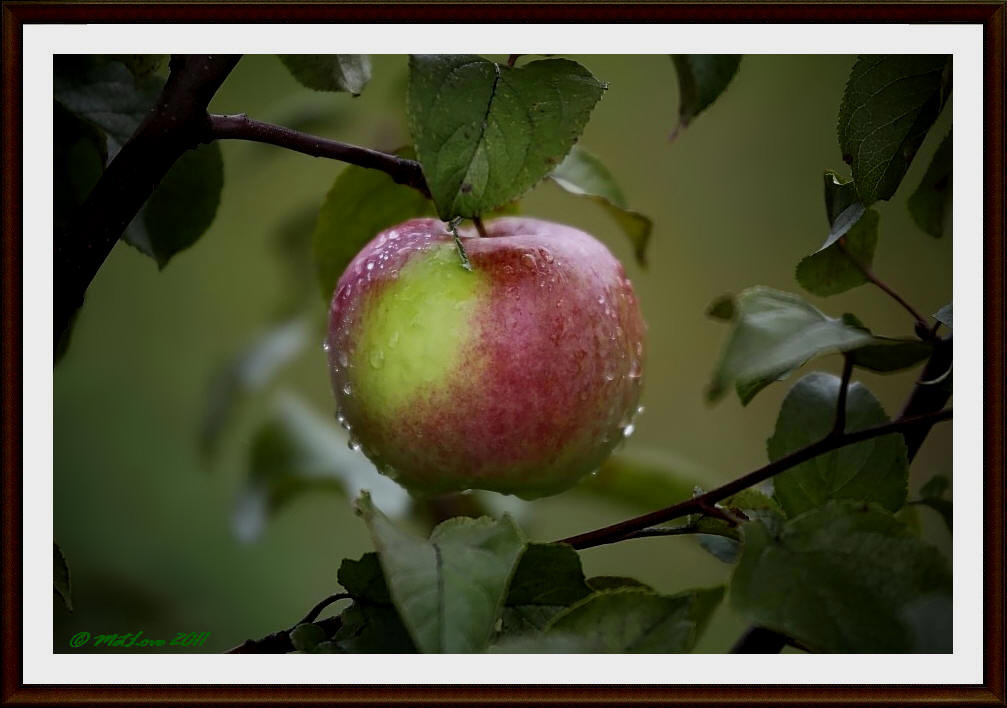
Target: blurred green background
148,523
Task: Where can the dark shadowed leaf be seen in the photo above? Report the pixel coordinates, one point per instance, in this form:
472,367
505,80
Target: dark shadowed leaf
61,576
361,204
833,270
548,579
330,72
701,79
944,315
886,355
450,589
638,620
930,204
848,577
584,174
78,161
487,133
105,93
295,451
888,106
842,207
371,624
874,470
142,66
311,639
774,333
932,495
182,206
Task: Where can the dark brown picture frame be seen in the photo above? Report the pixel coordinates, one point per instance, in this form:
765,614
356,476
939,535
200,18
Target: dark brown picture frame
991,15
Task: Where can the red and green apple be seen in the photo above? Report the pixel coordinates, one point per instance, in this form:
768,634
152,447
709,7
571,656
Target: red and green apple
519,376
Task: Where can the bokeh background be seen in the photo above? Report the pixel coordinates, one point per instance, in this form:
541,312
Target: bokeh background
152,527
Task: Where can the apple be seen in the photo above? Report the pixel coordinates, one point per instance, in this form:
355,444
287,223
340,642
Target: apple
518,376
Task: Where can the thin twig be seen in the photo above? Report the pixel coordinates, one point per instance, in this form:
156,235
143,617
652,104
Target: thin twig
317,609
869,274
840,425
241,127
619,531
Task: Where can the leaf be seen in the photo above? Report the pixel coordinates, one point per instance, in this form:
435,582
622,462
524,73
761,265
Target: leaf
637,620
583,174
450,589
61,576
842,206
875,470
943,315
361,204
930,204
847,577
833,270
642,479
887,354
330,72
182,206
307,637
251,370
548,579
485,133
774,333
78,162
888,106
932,494
295,451
371,624
142,66
701,79
105,93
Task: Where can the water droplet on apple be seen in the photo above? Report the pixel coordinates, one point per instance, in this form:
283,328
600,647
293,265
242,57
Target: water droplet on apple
348,388
326,347
377,358
393,341
640,409
628,430
370,265
529,261
353,444
344,361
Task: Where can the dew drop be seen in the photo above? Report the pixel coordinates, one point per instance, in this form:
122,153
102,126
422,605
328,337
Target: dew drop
377,359
628,430
348,388
529,261
343,359
326,347
393,341
640,409
353,444
370,265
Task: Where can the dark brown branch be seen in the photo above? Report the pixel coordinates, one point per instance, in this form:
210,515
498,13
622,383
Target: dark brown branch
173,126
759,640
840,425
241,127
927,398
869,274
619,531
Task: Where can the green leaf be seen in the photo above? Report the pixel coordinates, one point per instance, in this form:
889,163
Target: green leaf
930,204
932,494
364,580
935,487
774,333
888,106
635,620
848,577
450,589
487,133
842,206
371,624
831,271
584,174
330,72
182,206
250,371
887,354
943,315
360,205
61,576
701,79
306,637
548,579
295,451
78,162
105,93
875,470
642,479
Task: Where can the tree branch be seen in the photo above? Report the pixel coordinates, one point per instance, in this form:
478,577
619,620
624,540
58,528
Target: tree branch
173,126
619,531
869,274
840,425
241,127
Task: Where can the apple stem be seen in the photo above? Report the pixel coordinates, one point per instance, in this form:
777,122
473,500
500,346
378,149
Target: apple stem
453,228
